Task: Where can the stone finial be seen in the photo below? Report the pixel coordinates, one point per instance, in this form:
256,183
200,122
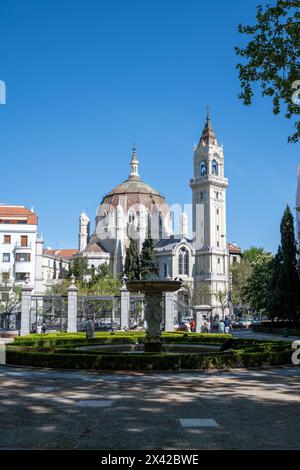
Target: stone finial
124,279
27,279
72,279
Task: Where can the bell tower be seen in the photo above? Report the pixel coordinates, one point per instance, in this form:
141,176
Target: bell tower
209,213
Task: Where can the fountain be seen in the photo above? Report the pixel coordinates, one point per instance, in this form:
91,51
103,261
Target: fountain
153,290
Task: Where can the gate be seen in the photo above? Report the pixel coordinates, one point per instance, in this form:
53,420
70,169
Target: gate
50,310
136,311
104,310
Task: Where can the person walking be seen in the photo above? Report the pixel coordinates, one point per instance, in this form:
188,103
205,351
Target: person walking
227,325
193,325
44,327
221,327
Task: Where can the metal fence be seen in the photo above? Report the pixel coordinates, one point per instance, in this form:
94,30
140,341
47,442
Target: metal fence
49,312
104,310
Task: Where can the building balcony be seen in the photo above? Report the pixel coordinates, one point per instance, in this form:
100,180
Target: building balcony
20,248
23,266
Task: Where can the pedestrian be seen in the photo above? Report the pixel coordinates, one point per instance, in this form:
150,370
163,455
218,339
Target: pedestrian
39,329
193,325
44,327
205,327
90,328
227,325
221,327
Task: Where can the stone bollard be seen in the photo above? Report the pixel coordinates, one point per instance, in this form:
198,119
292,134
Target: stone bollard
72,307
201,314
25,308
169,311
125,305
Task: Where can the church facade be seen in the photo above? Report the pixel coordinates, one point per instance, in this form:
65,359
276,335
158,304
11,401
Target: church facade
133,209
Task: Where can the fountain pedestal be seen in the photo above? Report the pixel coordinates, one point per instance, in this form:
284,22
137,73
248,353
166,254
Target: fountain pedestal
153,314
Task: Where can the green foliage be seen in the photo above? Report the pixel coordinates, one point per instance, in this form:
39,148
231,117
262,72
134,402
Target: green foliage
273,287
240,274
75,339
271,58
222,299
276,288
247,353
201,293
132,261
256,290
290,284
253,253
148,265
79,268
100,280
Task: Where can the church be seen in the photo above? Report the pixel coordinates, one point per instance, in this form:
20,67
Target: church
133,209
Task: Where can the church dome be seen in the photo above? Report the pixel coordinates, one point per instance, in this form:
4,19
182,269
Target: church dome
134,185
134,191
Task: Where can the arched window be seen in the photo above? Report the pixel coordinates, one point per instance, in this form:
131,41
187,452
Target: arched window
183,261
148,221
203,168
130,217
160,225
214,167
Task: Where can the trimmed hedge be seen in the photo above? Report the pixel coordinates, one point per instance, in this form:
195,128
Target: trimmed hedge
148,361
64,339
57,350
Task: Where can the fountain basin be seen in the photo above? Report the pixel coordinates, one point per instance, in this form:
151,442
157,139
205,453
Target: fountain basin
153,290
153,287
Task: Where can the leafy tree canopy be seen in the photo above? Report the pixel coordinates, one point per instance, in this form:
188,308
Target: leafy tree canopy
271,58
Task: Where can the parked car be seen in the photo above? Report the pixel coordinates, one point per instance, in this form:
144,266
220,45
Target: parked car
245,323
182,327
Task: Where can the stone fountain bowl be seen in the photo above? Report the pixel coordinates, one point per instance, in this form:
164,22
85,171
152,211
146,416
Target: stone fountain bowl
153,286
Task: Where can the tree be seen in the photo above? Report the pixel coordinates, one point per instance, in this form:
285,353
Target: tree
11,297
79,268
54,269
253,253
222,299
201,294
240,274
272,58
132,261
290,279
148,265
256,290
276,294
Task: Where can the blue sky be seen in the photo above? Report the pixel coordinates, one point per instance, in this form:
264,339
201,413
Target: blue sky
87,79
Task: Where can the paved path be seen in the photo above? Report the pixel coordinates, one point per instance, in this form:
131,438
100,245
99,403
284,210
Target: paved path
48,409
252,334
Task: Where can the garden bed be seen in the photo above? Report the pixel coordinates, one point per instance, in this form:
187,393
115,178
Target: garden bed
60,351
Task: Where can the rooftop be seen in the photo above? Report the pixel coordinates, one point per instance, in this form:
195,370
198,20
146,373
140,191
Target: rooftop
17,215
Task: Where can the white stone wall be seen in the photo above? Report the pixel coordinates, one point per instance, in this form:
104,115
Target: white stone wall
15,231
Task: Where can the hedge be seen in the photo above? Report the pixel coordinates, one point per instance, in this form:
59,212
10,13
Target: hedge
148,361
58,339
163,361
